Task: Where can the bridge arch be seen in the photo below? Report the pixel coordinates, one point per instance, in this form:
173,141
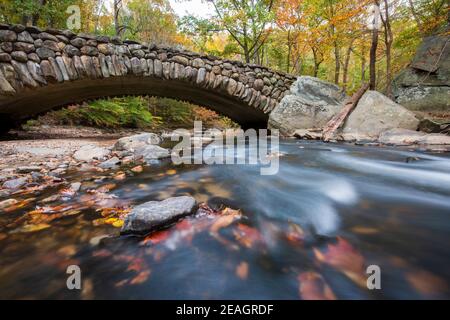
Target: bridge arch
41,70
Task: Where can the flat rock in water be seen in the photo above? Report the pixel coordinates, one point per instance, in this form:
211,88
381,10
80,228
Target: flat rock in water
28,169
435,139
152,152
156,214
308,134
136,141
91,152
401,137
15,183
109,164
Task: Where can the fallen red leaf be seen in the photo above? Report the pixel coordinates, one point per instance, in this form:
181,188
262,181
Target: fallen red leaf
156,237
242,270
247,236
426,283
346,259
313,287
140,278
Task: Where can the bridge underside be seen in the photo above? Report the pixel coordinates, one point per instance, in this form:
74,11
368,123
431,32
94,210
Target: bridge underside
42,70
36,101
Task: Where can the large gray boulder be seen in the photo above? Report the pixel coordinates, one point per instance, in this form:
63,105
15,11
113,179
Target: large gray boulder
376,113
312,104
131,143
154,215
424,85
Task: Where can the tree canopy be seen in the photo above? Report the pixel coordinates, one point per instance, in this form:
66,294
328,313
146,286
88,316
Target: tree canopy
330,39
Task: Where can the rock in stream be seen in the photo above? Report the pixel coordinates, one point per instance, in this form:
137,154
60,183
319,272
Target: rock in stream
154,215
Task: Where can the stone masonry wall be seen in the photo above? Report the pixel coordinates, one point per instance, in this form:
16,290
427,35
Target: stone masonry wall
32,58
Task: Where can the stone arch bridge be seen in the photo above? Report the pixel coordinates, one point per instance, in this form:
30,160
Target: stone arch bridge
44,69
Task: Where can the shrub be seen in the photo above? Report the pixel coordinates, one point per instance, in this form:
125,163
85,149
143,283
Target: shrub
130,112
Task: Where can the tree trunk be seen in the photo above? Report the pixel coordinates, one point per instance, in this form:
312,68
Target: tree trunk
317,62
339,118
388,39
373,48
337,69
363,64
116,16
346,64
288,62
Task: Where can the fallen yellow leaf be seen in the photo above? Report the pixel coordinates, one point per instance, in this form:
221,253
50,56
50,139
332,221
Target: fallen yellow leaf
34,227
118,223
364,230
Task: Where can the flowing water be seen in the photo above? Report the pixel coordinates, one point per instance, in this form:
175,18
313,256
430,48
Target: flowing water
309,231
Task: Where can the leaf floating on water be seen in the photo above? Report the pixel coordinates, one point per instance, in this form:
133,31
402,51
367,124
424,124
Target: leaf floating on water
426,283
18,205
72,212
364,230
313,287
247,236
242,270
120,176
52,198
143,186
156,237
49,209
106,188
67,192
346,259
87,292
141,277
68,251
102,253
7,203
32,227
137,169
227,217
171,172
295,233
183,225
222,222
118,223
115,211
